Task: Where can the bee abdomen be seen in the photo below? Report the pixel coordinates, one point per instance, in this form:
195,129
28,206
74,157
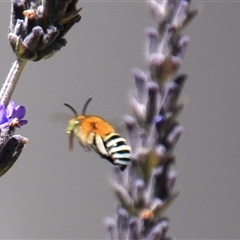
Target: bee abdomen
112,147
118,149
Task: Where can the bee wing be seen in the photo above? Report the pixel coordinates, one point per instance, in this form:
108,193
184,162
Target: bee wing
60,119
87,148
119,125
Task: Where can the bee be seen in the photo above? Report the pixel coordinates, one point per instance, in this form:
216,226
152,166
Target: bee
94,132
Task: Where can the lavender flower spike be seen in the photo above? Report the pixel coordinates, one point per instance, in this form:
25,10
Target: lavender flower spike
37,27
145,189
10,145
36,32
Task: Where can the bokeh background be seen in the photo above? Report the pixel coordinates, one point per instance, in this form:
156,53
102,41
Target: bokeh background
53,193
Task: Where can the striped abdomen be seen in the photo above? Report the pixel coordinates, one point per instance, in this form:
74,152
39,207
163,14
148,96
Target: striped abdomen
114,148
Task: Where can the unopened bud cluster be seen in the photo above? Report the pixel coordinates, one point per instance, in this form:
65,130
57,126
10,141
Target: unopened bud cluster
37,28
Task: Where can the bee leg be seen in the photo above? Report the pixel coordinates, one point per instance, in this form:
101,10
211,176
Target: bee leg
99,146
85,147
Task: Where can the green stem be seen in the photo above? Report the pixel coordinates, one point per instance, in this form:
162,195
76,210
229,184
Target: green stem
11,81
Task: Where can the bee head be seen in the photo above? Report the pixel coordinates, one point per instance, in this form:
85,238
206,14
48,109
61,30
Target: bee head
74,122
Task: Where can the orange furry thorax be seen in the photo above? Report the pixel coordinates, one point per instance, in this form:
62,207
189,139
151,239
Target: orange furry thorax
94,124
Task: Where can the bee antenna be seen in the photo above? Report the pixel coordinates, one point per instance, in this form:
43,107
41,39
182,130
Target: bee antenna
74,111
85,106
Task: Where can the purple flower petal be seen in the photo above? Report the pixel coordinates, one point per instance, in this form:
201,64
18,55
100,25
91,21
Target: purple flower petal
4,125
23,122
159,119
10,109
3,117
7,115
19,112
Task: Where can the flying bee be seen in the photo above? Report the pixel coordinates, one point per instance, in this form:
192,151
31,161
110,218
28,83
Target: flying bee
93,132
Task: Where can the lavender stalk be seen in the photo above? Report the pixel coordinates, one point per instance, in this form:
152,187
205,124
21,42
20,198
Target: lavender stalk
145,189
11,81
